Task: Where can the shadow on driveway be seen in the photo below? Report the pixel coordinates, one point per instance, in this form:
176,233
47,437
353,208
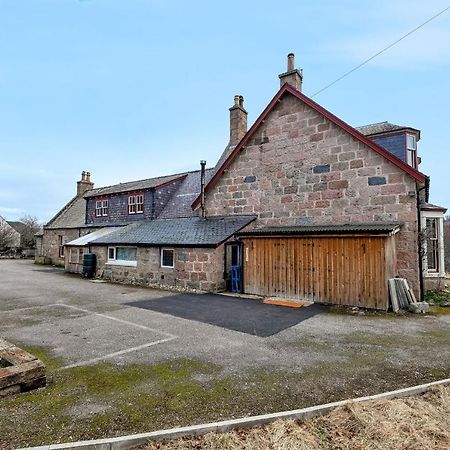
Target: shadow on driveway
240,314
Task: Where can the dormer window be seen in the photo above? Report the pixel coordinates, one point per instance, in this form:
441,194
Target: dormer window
101,208
411,150
136,204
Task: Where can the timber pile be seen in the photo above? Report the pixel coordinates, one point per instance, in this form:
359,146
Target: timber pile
400,294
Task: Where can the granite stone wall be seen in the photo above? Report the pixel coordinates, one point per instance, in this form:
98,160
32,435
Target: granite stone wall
195,268
300,168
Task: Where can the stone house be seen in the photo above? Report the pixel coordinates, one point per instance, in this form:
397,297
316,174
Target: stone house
301,206
9,236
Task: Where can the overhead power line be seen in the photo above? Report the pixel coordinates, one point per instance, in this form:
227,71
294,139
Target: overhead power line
381,51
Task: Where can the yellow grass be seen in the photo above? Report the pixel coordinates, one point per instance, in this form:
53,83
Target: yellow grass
413,423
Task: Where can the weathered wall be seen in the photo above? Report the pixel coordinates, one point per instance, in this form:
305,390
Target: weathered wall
195,268
299,168
50,242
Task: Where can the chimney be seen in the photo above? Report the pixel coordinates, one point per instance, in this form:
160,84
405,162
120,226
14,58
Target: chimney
293,76
85,184
238,120
202,188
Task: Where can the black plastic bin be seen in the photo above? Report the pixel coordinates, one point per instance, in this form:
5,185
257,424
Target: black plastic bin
89,264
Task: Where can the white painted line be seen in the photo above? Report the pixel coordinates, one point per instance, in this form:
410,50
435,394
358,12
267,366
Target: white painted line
170,337
121,352
126,322
133,440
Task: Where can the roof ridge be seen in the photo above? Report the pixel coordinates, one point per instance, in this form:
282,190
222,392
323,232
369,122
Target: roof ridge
286,88
147,179
63,209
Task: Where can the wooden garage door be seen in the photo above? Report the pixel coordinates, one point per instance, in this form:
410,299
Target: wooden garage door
339,270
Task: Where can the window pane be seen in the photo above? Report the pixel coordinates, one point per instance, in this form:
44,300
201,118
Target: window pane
126,254
167,258
112,253
432,255
410,141
73,255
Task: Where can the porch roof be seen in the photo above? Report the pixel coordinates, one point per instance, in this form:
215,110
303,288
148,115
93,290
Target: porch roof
354,228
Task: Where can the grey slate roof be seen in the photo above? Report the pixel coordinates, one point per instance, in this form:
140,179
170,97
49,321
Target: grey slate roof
376,228
180,203
431,207
133,185
20,227
181,232
381,127
71,216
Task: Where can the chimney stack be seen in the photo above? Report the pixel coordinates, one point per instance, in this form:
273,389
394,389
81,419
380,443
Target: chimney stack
238,120
202,188
85,184
293,76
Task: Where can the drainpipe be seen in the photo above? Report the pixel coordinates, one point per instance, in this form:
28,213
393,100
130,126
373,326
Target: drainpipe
202,188
419,231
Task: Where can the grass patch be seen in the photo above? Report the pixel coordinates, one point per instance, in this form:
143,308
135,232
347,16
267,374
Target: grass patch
106,400
438,297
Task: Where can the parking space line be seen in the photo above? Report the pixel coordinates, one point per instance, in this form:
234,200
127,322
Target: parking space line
121,352
170,337
126,322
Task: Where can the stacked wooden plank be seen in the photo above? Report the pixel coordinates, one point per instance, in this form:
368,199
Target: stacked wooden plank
400,293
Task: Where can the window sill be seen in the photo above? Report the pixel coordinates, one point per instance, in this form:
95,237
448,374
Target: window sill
434,275
122,263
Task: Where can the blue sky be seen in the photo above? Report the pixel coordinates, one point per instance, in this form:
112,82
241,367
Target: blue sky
131,89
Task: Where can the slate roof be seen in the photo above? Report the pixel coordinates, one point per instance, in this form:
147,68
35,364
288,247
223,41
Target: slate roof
373,228
180,203
181,232
381,127
71,216
20,227
431,207
133,185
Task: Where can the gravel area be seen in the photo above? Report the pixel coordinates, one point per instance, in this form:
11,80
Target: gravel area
178,370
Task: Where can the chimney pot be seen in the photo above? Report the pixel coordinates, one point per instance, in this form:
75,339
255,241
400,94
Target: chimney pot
238,120
290,62
293,76
85,184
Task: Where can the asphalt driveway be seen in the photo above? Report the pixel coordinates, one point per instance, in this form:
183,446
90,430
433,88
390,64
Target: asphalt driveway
245,315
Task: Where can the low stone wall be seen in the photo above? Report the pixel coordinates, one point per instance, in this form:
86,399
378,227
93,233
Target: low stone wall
20,371
195,269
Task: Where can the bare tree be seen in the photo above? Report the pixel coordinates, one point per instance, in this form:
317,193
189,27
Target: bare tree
32,226
7,236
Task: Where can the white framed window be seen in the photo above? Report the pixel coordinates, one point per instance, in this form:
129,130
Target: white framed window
101,208
168,258
76,255
433,243
136,204
411,150
122,256
73,257
432,238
